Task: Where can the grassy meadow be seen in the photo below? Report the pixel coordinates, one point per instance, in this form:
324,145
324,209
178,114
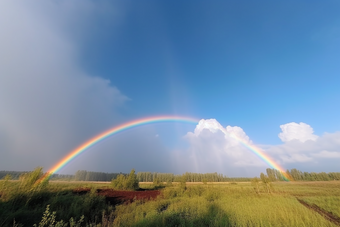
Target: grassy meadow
22,203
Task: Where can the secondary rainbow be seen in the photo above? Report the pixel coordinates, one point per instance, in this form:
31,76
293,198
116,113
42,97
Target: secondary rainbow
144,121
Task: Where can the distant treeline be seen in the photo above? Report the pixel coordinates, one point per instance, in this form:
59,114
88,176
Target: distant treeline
83,175
67,177
14,174
273,174
80,175
190,177
297,175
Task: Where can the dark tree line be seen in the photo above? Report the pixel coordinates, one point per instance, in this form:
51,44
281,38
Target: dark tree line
190,177
297,175
83,175
67,177
14,174
80,175
273,175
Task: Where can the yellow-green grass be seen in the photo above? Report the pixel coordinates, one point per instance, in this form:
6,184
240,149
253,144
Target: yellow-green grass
224,204
330,204
311,188
227,205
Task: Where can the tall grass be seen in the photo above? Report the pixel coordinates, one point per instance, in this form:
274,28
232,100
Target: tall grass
24,201
330,204
241,204
218,206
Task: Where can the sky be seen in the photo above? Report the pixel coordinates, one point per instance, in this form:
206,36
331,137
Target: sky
265,71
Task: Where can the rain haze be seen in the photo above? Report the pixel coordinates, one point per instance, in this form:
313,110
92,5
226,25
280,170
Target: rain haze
267,72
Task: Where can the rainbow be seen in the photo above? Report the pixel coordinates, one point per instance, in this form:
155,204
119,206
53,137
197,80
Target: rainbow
263,156
144,121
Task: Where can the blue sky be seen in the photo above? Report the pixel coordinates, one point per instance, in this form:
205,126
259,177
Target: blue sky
255,64
89,65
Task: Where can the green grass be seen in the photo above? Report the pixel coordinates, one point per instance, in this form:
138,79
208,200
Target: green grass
197,205
26,206
330,204
224,205
314,188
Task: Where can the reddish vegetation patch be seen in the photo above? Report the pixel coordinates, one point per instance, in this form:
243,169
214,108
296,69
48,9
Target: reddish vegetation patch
118,197
81,191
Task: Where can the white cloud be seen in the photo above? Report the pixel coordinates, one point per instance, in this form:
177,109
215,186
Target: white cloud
294,131
301,146
214,126
214,148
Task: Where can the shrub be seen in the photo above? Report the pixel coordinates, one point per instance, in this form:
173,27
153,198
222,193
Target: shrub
157,182
169,182
132,181
119,182
266,183
126,183
32,180
183,182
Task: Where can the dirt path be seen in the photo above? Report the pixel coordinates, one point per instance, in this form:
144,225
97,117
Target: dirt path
329,216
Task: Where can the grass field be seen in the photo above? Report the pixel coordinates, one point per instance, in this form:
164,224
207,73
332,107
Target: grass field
212,204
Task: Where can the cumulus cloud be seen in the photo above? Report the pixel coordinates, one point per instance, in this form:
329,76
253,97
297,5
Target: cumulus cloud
302,146
215,148
294,131
214,126
48,103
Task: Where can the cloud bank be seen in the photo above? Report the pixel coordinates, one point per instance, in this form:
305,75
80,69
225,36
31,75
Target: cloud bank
48,103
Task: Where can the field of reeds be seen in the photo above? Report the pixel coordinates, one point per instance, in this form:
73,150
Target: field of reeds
23,203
